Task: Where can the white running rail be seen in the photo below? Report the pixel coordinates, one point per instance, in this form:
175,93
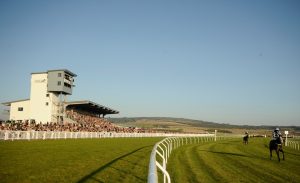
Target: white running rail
35,135
163,149
293,144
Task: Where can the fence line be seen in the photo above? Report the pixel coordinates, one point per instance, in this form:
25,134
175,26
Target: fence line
34,135
163,149
293,144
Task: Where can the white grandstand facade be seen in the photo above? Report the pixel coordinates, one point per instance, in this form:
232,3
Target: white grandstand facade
48,99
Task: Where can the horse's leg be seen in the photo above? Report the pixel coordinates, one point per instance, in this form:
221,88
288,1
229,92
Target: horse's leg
270,153
277,152
282,153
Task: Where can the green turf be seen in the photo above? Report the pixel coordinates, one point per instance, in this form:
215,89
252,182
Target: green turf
76,160
231,161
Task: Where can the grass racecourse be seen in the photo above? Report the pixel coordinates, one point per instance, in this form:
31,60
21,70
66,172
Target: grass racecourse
232,161
126,160
76,160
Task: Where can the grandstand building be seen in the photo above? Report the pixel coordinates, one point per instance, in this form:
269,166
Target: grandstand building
48,100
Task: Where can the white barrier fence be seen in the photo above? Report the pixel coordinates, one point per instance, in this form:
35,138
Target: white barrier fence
164,148
32,135
293,144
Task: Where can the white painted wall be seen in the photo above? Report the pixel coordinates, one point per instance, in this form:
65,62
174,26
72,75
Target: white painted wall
40,112
36,108
20,115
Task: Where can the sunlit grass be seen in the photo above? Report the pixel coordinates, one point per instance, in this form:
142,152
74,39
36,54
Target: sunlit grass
232,161
76,160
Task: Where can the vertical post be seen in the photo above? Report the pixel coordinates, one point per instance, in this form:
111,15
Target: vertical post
216,135
6,135
286,133
18,135
285,139
28,135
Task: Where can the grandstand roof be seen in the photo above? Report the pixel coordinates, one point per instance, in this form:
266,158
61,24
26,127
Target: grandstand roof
9,103
92,107
65,70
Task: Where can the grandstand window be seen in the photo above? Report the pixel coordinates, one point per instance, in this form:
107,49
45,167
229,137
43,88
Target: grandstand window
47,95
59,74
47,103
67,85
58,83
20,108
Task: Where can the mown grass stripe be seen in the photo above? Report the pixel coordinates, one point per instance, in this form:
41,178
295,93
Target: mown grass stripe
231,161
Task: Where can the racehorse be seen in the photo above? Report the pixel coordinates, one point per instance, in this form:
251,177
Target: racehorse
245,139
277,146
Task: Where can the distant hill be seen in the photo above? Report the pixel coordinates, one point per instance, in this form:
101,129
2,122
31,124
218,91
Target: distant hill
190,125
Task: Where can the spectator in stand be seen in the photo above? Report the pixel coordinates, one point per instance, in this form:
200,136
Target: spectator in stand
85,122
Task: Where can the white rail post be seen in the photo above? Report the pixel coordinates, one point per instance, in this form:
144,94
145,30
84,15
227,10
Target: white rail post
166,154
170,145
164,163
286,133
163,152
215,135
168,148
6,135
28,135
164,172
18,135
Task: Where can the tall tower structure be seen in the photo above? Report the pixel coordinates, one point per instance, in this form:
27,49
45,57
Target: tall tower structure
48,93
48,100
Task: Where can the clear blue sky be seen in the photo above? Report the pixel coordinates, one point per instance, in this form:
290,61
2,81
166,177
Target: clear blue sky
234,62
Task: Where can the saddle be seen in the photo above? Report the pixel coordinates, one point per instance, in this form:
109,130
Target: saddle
278,141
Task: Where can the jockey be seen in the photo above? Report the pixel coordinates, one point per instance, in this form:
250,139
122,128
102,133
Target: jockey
277,135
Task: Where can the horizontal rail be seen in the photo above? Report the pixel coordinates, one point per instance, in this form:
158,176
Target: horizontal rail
34,135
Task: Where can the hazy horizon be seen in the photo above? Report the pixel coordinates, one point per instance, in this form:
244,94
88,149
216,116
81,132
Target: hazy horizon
235,62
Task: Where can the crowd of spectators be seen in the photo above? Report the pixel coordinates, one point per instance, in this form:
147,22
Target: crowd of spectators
83,122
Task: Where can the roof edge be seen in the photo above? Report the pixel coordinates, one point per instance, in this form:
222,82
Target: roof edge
65,70
90,102
10,102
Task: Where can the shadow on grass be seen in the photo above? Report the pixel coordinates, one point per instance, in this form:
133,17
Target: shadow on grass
226,153
292,153
90,176
236,154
